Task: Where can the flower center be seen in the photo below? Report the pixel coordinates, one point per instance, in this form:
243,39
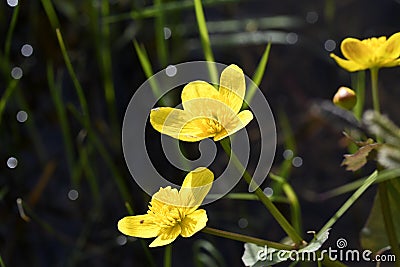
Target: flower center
166,215
213,126
375,42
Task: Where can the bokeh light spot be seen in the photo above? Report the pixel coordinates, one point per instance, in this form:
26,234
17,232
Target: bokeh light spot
22,116
12,162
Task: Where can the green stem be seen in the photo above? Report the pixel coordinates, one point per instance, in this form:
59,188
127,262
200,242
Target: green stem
295,208
382,188
286,226
168,256
246,239
388,222
360,91
374,85
367,183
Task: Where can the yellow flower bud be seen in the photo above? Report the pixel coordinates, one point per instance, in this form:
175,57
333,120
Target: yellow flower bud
345,98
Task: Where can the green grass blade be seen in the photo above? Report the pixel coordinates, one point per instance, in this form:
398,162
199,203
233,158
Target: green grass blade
106,69
258,75
2,262
367,183
51,14
55,92
148,70
153,11
77,85
289,144
11,28
383,176
159,32
205,40
248,196
12,85
31,126
104,155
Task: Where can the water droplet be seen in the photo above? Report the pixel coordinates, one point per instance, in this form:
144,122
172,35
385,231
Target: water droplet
287,154
26,50
16,73
330,45
171,71
297,162
12,3
167,33
121,240
12,162
73,194
268,191
312,17
292,38
243,223
22,116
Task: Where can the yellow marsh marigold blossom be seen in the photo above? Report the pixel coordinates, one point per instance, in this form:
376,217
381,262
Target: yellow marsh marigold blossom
171,212
369,53
207,112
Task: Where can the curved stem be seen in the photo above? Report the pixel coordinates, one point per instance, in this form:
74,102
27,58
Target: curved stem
246,239
286,226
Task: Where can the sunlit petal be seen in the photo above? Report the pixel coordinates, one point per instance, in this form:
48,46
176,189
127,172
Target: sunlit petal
200,98
232,87
167,236
348,65
391,49
138,226
178,124
241,120
193,223
195,187
391,63
167,195
357,51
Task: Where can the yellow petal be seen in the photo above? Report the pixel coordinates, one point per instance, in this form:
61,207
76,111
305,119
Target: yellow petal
391,49
232,87
199,98
357,51
241,120
178,124
167,236
391,63
165,196
348,65
138,226
193,223
195,187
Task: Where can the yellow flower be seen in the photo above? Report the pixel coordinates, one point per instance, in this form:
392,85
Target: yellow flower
171,212
207,112
369,53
